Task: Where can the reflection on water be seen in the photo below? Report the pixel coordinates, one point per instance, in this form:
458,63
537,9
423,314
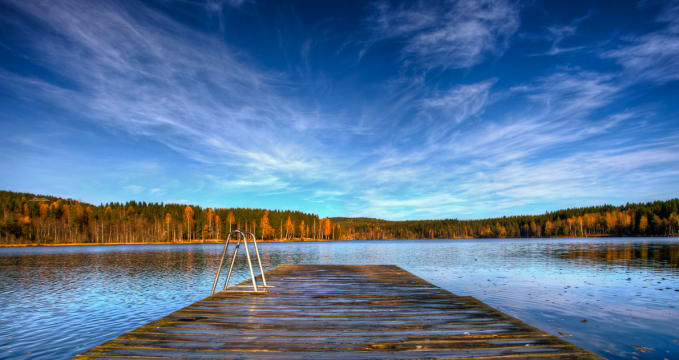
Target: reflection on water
609,295
661,255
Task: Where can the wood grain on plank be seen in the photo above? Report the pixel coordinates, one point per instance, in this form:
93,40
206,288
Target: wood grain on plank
339,312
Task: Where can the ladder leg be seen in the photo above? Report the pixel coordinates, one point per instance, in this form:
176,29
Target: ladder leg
247,255
259,260
233,261
221,263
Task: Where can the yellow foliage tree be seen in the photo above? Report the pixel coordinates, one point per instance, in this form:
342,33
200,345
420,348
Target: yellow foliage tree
289,228
643,224
168,221
43,210
326,227
231,219
218,225
302,229
267,229
210,218
188,217
548,228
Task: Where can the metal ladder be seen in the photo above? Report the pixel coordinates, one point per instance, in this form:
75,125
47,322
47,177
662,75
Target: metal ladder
242,236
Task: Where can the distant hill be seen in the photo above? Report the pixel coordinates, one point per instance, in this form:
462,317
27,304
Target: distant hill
358,220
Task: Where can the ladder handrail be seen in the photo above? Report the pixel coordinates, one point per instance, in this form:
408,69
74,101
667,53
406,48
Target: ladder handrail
247,256
221,263
233,260
259,260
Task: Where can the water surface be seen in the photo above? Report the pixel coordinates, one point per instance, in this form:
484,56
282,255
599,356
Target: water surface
615,297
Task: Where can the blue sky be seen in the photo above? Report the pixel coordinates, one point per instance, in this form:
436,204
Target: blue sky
397,110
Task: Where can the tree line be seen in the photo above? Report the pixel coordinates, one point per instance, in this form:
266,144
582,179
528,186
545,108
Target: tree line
658,218
38,219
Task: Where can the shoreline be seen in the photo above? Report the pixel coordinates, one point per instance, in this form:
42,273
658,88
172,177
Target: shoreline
221,241
206,241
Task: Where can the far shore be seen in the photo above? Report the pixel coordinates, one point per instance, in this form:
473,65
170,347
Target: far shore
206,241
221,241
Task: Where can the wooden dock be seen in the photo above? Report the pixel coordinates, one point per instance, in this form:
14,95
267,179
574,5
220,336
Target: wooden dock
339,312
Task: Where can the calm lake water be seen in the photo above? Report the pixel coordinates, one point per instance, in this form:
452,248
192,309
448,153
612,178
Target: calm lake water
615,297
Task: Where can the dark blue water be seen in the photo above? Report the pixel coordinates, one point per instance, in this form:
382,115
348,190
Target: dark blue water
615,297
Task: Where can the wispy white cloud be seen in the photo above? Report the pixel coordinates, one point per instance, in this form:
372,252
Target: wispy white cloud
550,149
461,102
324,196
653,56
580,178
265,183
133,68
557,34
426,205
451,34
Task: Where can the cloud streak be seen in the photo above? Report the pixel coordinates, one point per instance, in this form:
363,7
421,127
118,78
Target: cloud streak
453,34
653,56
463,101
142,72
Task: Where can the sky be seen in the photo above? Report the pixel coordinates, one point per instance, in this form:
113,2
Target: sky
395,110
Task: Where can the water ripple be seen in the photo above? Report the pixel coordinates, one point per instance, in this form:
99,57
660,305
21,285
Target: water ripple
607,295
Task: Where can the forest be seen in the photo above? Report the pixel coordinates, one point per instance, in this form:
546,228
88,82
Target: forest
40,219
658,218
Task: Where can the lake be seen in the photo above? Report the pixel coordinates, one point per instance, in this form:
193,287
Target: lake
614,296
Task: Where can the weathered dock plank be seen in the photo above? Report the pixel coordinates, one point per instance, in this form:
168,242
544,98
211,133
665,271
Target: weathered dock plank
339,312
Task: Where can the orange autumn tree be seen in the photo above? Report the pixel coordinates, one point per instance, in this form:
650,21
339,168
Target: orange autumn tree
210,218
218,226
188,217
302,229
266,228
289,229
168,221
326,227
231,219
